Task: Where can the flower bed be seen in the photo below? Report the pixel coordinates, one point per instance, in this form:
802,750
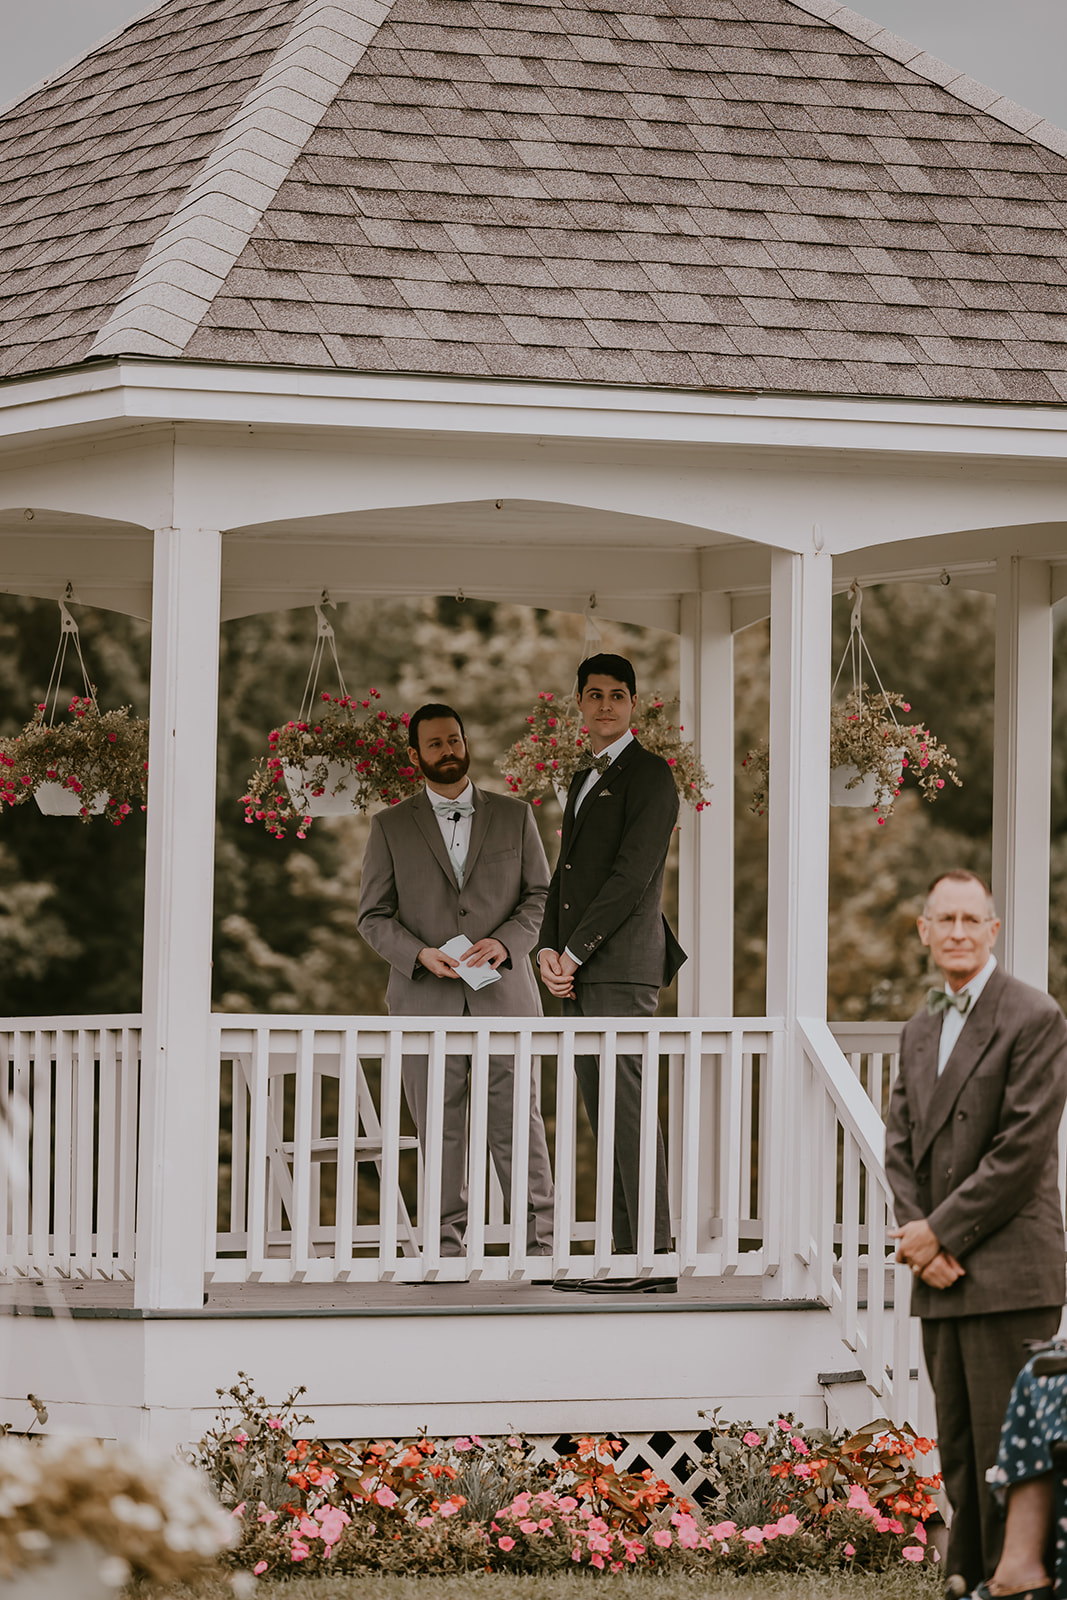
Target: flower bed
780,1497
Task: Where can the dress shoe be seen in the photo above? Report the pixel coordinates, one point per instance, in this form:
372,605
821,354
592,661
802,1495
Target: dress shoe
616,1285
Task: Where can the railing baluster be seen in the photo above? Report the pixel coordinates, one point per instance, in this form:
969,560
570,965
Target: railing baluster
520,1152
389,1183
129,1080
605,1153
478,1154
85,1094
61,1230
435,1103
850,1243
301,1218
107,1150
689,1240
255,1068
346,1194
876,1276
41,1181
566,1109
733,1154
646,1187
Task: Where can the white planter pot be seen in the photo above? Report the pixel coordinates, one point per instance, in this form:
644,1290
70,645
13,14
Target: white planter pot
72,1573
339,791
864,793
56,801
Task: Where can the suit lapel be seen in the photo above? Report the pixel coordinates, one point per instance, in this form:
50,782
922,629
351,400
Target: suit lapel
479,829
968,1050
604,781
428,826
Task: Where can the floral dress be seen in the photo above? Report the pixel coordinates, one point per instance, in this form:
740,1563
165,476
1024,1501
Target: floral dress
1033,1441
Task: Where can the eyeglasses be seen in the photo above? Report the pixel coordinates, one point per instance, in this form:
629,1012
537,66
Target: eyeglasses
945,923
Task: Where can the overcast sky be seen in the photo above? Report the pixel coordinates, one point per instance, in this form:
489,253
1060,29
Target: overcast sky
1016,46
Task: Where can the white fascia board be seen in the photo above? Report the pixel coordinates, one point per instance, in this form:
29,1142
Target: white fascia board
150,391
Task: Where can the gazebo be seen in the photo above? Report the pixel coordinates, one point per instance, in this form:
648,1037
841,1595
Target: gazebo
705,310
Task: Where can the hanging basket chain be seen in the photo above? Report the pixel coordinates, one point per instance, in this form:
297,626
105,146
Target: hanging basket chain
854,652
68,630
323,637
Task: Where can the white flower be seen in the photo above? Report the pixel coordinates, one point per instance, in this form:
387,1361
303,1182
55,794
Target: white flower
33,1539
243,1584
114,1572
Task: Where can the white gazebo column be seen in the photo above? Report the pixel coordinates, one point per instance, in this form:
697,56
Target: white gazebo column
1022,765
178,1124
798,809
706,846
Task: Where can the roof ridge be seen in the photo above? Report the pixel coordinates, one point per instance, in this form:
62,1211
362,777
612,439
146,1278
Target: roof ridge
974,94
169,296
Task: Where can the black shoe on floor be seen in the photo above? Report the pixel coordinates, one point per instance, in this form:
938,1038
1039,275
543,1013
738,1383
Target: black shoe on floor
616,1285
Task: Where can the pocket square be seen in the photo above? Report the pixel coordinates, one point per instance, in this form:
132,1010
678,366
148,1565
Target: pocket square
605,794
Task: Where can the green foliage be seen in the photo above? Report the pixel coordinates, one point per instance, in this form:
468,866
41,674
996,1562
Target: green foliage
95,755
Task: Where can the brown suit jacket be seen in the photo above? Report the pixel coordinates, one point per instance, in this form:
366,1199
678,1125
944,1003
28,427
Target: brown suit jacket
409,900
975,1151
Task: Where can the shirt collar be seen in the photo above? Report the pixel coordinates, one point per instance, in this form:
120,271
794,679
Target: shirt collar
975,985
616,749
441,802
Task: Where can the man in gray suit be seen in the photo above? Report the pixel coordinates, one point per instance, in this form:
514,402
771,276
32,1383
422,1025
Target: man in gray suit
460,860
971,1157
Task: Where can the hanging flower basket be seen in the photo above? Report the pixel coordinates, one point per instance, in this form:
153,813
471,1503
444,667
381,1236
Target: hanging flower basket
94,764
556,746
872,749
340,756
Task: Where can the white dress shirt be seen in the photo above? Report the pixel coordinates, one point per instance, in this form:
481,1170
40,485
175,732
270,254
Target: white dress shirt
952,1024
456,835
611,751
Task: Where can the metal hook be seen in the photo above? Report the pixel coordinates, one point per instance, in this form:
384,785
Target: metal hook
856,596
325,631
460,597
67,622
592,602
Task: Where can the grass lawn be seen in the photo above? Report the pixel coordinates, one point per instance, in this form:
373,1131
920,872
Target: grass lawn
924,1584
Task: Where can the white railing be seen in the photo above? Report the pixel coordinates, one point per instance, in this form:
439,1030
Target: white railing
872,1050
68,1146
844,1215
321,1178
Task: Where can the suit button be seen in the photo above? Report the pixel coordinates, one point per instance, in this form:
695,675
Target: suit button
566,905
961,1116
948,1172
462,912
566,866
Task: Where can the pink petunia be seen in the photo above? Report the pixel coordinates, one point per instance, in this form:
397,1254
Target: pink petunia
662,1537
385,1496
260,1566
750,1438
506,1543
850,1550
913,1552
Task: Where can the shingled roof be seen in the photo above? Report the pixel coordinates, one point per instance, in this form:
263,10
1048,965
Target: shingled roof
744,194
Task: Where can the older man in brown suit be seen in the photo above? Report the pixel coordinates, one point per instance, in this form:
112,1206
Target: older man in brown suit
971,1156
460,860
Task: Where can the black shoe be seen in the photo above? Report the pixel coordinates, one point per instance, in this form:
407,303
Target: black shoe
616,1285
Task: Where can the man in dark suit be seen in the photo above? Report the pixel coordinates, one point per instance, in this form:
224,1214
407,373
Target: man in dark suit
456,859
971,1157
605,946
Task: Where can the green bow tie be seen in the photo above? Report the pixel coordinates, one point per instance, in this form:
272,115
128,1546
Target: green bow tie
938,1001
588,761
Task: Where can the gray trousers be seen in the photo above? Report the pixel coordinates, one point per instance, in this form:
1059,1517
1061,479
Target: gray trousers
539,1189
622,1000
973,1363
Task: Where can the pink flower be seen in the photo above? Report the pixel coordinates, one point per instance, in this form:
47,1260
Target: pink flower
850,1550
300,1551
799,1446
750,1438
274,1422
662,1537
528,1526
788,1524
260,1566
463,1444
919,1533
385,1496
859,1499
425,1522
912,1552
567,1502
801,1470
514,1441
754,1535
505,1543
723,1530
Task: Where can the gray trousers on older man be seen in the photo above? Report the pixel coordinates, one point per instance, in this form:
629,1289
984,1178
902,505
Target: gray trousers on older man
623,1000
539,1190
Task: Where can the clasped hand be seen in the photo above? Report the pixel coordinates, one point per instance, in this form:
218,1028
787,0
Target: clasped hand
919,1247
557,973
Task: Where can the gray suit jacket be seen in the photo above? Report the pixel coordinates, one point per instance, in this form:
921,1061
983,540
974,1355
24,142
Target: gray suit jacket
975,1151
409,900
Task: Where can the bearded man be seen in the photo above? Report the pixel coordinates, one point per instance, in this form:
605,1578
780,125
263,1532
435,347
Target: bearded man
460,860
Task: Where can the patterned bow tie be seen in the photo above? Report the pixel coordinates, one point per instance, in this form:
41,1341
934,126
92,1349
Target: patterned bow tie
452,810
587,762
938,1001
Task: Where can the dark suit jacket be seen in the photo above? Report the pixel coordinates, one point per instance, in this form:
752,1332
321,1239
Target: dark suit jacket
604,901
409,900
975,1151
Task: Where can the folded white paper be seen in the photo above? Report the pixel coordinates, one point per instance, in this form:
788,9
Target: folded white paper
476,977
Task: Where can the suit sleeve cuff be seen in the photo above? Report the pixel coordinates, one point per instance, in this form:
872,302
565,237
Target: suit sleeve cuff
576,959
